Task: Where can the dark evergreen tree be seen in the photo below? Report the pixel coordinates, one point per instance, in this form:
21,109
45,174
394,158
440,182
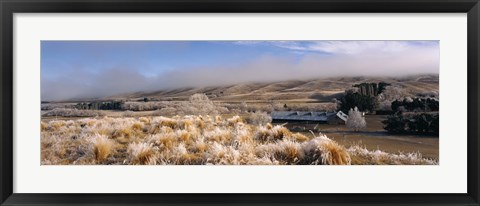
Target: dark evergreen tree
353,99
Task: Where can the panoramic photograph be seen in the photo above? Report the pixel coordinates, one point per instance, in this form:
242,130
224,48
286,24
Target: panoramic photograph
239,102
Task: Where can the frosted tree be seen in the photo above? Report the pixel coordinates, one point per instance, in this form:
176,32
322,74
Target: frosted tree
199,98
200,104
356,120
390,94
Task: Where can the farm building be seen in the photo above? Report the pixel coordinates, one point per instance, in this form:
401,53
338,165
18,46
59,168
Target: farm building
310,117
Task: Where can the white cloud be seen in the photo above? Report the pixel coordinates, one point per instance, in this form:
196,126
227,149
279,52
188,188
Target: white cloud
247,42
354,47
344,47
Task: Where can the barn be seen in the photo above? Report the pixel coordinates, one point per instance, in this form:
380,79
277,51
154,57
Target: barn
309,117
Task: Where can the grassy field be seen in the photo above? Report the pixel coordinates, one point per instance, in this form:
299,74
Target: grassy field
375,137
136,133
198,140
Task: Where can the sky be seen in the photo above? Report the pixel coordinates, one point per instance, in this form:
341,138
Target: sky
93,69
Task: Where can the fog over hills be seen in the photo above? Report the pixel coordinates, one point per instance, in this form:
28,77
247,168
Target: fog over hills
256,67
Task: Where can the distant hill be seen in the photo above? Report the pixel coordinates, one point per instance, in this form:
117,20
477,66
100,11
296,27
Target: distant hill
302,90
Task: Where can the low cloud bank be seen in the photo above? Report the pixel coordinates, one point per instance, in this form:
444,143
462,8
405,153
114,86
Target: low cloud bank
400,62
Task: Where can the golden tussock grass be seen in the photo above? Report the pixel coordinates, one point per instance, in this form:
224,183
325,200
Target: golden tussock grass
91,123
166,141
200,146
56,125
334,154
144,120
299,137
279,132
141,154
185,137
218,120
124,132
201,124
186,124
102,147
190,159
168,123
43,126
137,127
234,121
324,151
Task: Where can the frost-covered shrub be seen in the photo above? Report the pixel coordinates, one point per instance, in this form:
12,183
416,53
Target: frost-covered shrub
200,104
51,106
144,106
65,112
167,111
259,118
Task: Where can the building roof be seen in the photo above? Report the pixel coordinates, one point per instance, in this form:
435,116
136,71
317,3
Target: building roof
342,116
302,116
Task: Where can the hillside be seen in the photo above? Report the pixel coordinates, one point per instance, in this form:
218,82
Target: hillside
315,90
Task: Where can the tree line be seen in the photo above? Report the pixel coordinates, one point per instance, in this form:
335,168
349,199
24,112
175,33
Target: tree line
366,98
422,123
417,104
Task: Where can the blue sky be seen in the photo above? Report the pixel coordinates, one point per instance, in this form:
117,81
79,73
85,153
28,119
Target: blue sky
149,58
77,69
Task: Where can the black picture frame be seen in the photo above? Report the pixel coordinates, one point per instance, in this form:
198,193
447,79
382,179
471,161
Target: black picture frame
10,7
